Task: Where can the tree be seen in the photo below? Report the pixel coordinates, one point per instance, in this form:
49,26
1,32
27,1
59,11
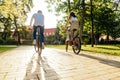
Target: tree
13,14
106,20
107,24
77,6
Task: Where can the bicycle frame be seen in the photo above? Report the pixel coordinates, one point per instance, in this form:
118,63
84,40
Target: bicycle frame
75,42
38,46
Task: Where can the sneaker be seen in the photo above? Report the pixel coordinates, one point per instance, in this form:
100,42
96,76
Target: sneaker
43,46
34,41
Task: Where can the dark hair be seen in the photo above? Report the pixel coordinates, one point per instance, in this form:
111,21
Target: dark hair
72,14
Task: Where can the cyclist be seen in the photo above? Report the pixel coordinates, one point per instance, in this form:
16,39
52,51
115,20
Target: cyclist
115,4
38,19
74,23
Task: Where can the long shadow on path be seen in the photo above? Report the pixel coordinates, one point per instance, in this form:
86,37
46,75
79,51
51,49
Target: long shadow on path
104,61
39,69
33,69
49,72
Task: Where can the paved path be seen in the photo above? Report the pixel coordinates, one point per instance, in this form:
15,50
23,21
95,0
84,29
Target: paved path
23,63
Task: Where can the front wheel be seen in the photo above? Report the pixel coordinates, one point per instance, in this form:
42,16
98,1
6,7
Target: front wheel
76,45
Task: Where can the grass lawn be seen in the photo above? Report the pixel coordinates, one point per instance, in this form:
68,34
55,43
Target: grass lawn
106,49
4,48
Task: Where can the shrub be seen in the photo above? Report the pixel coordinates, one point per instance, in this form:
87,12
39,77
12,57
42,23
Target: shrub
109,42
11,41
2,41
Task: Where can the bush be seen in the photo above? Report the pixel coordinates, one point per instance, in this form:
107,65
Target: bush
2,41
109,42
11,41
27,42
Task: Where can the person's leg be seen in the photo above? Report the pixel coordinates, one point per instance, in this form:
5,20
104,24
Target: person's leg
75,33
71,35
42,36
42,33
34,34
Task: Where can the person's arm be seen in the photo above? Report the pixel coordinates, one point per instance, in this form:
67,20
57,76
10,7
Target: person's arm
30,26
31,21
68,21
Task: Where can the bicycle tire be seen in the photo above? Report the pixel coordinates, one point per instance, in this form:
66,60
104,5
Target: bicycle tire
38,45
35,47
77,47
39,39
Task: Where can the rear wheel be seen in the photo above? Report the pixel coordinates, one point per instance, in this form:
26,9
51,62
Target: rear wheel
76,45
36,46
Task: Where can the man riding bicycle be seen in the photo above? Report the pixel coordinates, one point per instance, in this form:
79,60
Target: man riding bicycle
38,21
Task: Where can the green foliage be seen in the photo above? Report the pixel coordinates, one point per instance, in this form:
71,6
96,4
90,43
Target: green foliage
2,41
103,49
50,39
106,21
6,48
13,14
10,41
15,9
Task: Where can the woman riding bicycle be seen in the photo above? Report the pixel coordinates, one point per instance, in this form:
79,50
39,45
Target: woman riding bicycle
116,4
74,23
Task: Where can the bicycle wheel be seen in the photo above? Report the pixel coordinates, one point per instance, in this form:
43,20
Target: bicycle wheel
77,45
39,42
36,46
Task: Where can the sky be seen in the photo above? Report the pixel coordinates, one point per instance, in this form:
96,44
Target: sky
50,18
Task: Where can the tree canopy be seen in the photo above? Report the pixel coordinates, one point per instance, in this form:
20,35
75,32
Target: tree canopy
105,19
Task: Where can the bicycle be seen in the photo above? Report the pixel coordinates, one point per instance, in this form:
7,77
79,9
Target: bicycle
38,45
75,42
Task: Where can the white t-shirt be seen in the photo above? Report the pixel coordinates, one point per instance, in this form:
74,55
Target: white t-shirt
116,1
74,23
73,19
38,19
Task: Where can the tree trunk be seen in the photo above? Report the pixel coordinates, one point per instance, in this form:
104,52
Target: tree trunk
82,19
17,32
92,33
4,34
69,7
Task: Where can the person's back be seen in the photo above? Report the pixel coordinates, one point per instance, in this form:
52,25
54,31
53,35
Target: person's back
39,19
74,23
